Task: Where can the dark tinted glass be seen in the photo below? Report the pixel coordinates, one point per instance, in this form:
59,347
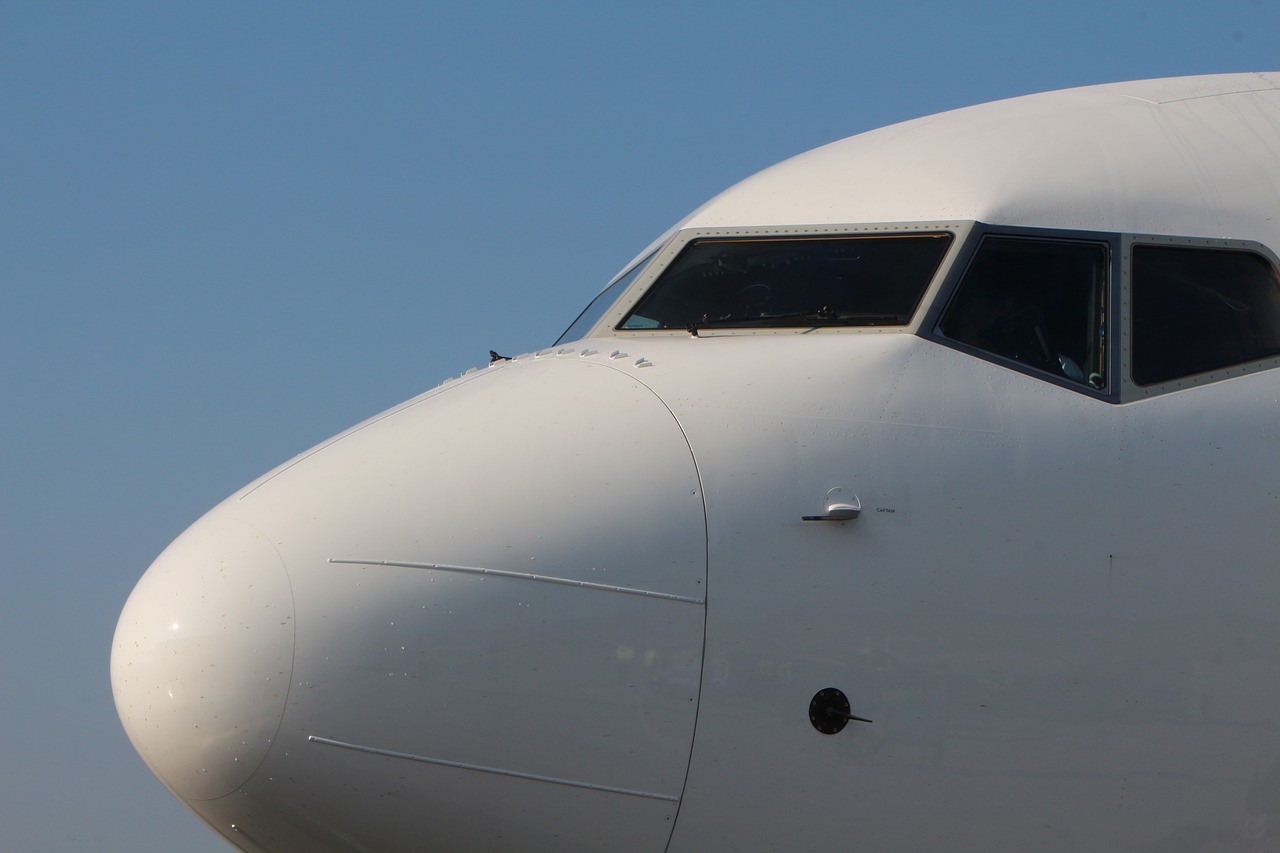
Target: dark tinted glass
1201,309
1041,303
792,282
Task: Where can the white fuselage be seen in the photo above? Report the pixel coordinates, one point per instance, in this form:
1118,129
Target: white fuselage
568,601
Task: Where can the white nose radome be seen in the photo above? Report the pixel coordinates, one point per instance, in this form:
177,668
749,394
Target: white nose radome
202,658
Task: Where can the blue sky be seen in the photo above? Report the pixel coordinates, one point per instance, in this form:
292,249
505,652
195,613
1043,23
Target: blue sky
230,230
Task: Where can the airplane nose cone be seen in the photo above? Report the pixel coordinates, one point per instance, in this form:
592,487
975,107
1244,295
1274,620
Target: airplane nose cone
202,658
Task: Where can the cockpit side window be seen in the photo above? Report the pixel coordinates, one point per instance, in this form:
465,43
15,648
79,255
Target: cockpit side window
1197,309
797,282
1038,302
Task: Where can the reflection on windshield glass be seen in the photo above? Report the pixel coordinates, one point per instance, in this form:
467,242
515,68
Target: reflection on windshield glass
792,282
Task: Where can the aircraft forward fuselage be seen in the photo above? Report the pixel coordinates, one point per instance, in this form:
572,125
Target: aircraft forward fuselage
920,492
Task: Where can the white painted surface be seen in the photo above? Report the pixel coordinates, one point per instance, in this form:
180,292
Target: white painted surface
1060,611
1189,156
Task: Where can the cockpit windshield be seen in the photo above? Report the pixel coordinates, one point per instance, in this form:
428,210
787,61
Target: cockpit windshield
779,282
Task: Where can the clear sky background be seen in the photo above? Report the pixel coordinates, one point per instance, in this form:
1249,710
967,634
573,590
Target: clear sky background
229,230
